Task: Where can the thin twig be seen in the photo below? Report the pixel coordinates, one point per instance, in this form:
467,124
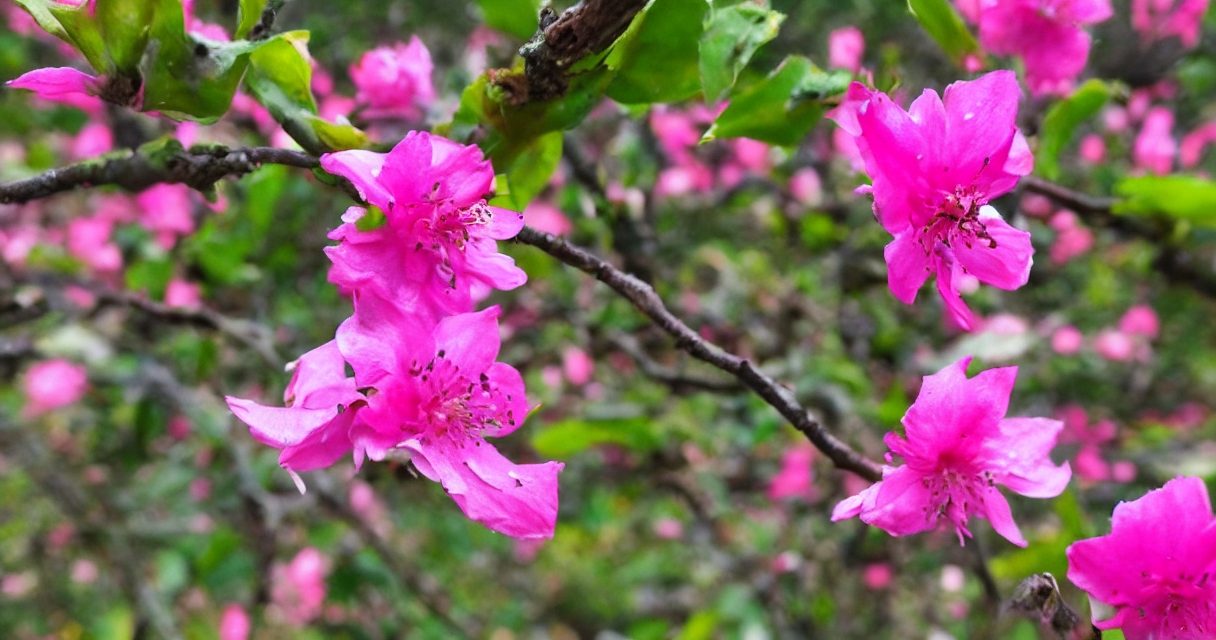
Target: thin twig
648,302
676,379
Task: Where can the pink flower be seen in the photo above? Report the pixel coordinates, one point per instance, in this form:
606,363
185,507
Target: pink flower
958,447
93,140
437,253
806,187
878,575
1046,34
1088,462
669,528
1154,149
1093,149
934,170
89,241
1114,345
846,46
1191,150
1159,19
299,588
1140,320
1155,566
542,216
578,366
438,394
53,384
795,479
1066,340
60,84
167,212
180,293
394,82
313,429
1072,239
234,624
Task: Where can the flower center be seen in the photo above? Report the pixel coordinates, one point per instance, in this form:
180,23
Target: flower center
954,494
447,231
956,220
453,406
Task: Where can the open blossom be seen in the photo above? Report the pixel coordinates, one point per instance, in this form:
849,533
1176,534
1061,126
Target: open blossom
1154,149
958,447
934,168
298,589
846,46
1159,19
437,253
1047,34
394,81
436,392
796,478
53,384
1155,566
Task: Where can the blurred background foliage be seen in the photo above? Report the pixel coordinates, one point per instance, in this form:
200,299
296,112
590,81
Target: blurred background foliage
667,528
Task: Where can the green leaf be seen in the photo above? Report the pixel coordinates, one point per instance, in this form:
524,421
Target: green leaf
248,15
1181,197
946,26
185,78
74,26
782,108
1063,119
280,78
124,28
40,11
660,61
732,36
563,440
519,18
528,174
117,623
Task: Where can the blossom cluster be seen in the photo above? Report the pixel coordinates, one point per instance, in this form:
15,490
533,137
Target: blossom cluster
426,381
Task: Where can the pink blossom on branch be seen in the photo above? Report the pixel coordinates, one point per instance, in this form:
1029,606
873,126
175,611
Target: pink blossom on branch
53,384
1047,34
958,447
1155,566
437,253
934,168
1159,19
846,46
394,82
1155,148
438,394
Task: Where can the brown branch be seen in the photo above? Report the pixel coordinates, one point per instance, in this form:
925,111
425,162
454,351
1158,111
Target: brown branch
648,302
671,377
198,167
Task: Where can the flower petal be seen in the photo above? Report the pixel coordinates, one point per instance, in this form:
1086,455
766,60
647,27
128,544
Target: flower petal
908,265
996,509
470,340
1022,456
363,169
1005,265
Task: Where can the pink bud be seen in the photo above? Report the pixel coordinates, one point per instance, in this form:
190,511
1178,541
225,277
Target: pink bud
180,293
1116,119
953,578
1123,471
1191,150
1140,320
1093,149
578,366
1066,340
542,216
84,571
1114,345
93,140
877,575
1037,206
179,427
806,187
200,489
669,528
53,384
846,47
1154,149
234,625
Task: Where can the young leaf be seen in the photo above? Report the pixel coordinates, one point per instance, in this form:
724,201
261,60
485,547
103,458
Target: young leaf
528,174
1062,119
519,18
1181,197
946,27
782,108
732,36
248,15
660,61
124,29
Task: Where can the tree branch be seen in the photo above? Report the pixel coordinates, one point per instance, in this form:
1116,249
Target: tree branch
648,302
199,167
